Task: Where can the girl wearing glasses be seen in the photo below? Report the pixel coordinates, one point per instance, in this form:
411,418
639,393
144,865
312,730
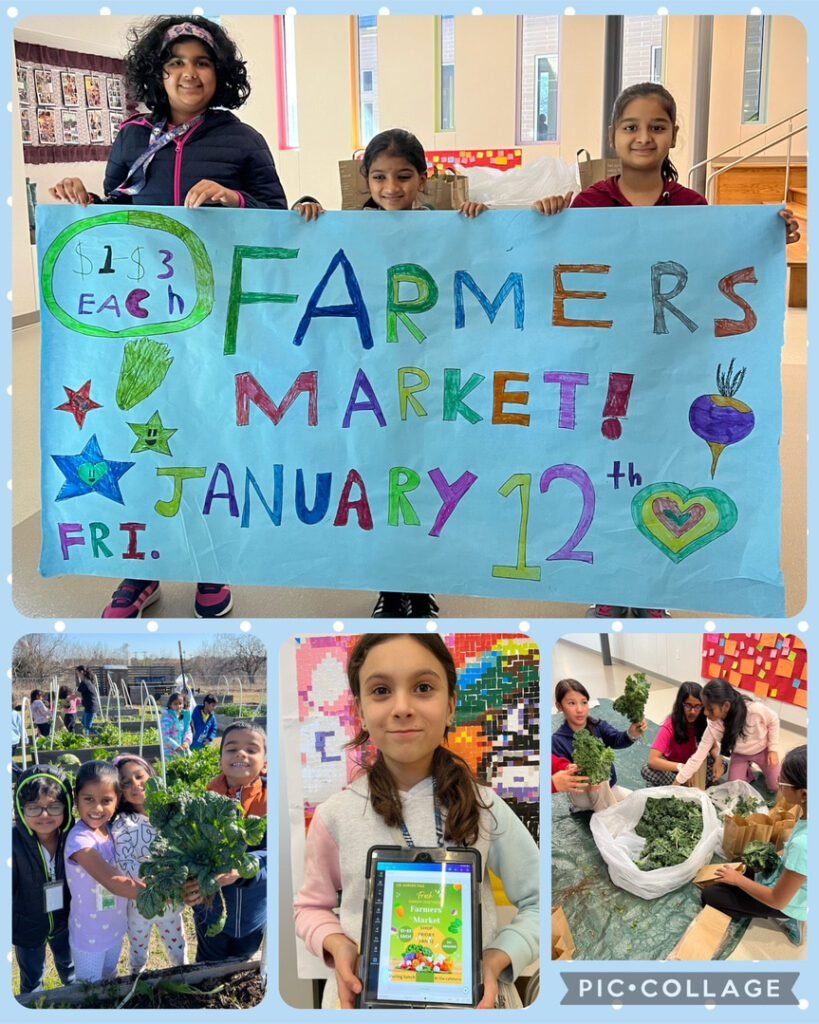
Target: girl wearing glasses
40,897
783,894
678,739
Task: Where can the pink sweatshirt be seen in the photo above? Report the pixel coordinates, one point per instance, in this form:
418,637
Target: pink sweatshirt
761,733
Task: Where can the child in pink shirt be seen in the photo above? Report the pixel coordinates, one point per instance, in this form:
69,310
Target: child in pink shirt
742,728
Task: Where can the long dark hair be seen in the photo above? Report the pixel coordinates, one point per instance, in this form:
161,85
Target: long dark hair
125,806
393,142
795,767
97,771
638,91
456,788
678,720
574,686
145,61
717,691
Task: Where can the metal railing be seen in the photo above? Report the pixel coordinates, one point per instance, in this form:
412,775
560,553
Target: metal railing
788,137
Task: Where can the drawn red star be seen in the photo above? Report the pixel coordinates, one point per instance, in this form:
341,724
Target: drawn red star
79,403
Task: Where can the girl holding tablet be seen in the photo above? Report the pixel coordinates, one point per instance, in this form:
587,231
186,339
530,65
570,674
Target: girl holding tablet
414,792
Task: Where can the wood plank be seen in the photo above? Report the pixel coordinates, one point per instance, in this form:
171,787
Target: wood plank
757,183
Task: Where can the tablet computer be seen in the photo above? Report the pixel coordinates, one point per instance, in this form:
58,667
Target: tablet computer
421,929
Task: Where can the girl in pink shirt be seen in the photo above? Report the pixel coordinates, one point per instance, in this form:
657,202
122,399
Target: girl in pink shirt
678,739
744,729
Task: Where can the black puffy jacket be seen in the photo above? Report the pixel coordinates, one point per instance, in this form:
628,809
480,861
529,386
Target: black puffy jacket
31,926
220,148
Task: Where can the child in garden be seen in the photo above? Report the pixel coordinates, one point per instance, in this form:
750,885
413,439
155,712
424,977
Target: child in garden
133,834
395,166
678,739
418,791
99,889
782,895
203,723
39,894
745,730
40,713
642,132
175,727
71,702
188,150
572,698
243,779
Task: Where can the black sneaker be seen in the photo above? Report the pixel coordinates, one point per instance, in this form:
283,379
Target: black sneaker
422,606
391,605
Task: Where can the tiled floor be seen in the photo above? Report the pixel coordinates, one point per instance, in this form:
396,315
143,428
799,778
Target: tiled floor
85,598
762,940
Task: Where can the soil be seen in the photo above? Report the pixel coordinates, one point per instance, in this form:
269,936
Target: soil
231,992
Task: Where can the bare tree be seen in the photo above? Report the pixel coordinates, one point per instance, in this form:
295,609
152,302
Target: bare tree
244,653
38,655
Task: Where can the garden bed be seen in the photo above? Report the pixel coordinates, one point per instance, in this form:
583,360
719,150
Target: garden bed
149,752
230,984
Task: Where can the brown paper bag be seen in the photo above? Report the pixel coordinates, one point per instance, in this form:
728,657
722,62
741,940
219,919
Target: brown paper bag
703,937
591,171
760,828
563,947
354,191
734,835
700,777
708,875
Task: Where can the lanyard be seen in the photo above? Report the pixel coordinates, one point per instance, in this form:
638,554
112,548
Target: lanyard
439,826
135,179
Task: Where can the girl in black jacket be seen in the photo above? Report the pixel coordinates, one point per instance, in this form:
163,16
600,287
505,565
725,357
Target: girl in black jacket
183,152
39,896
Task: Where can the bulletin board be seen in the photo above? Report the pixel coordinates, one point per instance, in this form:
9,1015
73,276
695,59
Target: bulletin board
500,159
773,665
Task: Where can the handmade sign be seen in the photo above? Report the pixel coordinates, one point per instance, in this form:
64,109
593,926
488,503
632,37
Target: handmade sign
579,408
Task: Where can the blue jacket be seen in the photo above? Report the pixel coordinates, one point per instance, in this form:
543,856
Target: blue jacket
220,148
204,732
563,741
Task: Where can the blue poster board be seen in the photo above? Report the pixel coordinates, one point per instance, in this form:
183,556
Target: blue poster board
578,408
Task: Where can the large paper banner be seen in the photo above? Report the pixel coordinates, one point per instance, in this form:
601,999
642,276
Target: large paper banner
577,408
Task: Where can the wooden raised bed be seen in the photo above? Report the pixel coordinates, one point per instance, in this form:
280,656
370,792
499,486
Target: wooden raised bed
87,753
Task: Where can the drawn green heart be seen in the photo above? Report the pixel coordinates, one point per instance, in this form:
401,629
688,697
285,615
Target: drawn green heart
92,472
720,516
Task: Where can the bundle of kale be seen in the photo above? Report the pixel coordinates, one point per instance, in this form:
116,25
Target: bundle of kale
671,828
760,857
593,757
200,837
632,703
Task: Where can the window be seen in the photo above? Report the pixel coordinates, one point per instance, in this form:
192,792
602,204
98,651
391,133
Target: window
755,71
285,42
538,47
367,78
642,50
446,70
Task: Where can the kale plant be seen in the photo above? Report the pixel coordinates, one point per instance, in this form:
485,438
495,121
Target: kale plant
593,757
632,703
200,837
748,805
760,857
671,828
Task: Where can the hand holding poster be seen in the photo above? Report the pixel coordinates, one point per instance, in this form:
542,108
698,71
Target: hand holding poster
579,408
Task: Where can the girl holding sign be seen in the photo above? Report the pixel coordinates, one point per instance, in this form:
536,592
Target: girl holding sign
395,166
183,152
642,132
414,791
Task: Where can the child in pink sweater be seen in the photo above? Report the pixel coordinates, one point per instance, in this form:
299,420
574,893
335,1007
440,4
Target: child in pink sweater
744,729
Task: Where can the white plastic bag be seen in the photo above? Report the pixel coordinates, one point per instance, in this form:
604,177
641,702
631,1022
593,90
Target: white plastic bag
619,846
725,796
521,186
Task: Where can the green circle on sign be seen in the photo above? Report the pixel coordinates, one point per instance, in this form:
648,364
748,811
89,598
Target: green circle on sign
405,934
202,274
449,945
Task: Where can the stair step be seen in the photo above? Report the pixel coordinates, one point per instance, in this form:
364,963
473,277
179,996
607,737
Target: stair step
799,195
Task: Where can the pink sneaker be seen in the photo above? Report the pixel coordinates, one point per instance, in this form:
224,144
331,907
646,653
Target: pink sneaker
650,613
608,611
213,600
131,598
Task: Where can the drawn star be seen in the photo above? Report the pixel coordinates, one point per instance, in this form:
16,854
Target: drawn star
152,436
79,403
91,471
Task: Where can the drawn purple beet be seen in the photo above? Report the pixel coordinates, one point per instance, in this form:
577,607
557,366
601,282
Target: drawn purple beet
721,419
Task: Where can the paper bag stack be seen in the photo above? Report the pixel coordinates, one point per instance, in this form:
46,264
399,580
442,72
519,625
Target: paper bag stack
774,827
703,937
708,875
563,947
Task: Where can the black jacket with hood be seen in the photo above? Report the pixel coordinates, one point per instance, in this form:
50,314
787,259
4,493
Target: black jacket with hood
31,926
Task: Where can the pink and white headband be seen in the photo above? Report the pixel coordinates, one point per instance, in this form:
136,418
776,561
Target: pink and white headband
186,28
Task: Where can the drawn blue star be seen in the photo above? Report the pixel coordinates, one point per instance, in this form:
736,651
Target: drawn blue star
91,471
